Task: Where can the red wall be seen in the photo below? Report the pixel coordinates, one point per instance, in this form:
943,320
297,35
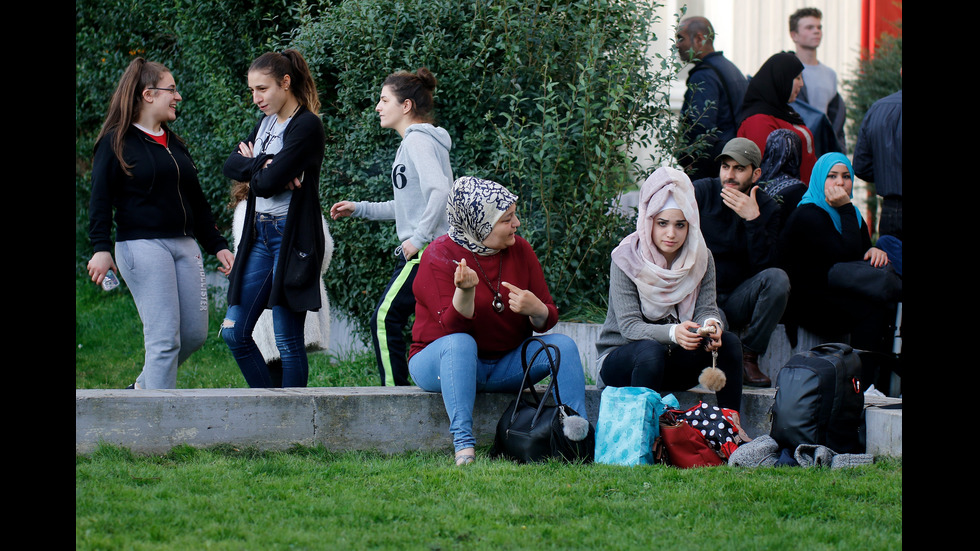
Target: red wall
878,17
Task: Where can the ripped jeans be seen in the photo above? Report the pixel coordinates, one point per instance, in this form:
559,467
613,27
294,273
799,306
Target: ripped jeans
256,284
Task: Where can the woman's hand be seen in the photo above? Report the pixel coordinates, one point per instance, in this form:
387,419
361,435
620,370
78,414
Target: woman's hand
465,277
526,303
715,338
464,298
246,149
341,209
685,334
837,197
877,257
409,250
295,183
227,261
99,265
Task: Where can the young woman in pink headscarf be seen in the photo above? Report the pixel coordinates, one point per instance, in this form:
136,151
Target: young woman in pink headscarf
661,291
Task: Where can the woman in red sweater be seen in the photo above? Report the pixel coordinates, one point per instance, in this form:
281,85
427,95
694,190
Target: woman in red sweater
480,293
766,107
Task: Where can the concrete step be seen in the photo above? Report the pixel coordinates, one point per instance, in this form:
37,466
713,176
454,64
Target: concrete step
387,419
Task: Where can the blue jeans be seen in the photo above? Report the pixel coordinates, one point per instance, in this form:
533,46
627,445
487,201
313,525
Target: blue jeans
258,272
893,248
450,365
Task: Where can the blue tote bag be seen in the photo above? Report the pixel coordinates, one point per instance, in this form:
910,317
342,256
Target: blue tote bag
629,421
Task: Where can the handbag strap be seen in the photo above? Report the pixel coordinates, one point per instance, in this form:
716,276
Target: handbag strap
553,363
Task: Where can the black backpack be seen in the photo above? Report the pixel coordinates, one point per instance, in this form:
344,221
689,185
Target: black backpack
819,400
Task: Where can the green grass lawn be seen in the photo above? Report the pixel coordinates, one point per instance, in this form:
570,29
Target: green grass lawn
310,498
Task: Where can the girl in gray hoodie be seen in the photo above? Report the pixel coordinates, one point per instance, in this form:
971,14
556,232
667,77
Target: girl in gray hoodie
421,178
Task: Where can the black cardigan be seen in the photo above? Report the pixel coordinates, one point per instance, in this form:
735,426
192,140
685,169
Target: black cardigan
162,199
295,285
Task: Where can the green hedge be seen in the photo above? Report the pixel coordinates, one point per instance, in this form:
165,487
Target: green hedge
548,98
207,45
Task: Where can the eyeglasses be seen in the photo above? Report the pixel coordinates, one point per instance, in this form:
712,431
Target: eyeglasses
171,90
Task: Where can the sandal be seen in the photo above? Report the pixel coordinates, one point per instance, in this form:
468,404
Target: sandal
465,459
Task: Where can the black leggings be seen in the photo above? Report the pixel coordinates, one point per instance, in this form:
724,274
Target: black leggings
670,369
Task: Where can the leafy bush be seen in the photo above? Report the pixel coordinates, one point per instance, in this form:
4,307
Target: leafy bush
549,98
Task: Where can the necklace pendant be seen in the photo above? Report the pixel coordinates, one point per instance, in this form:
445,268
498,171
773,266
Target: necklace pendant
498,304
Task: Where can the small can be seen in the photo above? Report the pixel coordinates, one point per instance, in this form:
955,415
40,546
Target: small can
110,281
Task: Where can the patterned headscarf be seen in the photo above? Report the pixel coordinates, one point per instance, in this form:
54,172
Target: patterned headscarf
661,287
815,193
781,163
474,206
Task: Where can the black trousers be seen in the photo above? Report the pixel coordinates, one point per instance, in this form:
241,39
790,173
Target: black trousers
396,305
891,217
669,369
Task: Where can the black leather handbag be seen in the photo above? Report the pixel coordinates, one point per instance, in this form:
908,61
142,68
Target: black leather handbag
861,278
532,430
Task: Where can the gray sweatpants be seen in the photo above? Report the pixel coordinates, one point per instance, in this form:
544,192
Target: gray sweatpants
166,277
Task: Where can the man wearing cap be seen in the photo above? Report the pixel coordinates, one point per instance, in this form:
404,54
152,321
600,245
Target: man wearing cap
740,224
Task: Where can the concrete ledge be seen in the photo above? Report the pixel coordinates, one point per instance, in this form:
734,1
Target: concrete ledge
884,425
390,420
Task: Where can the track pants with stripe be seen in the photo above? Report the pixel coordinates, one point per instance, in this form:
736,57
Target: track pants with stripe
396,305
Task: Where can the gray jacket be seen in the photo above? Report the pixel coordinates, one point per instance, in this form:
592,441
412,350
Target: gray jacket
421,178
625,322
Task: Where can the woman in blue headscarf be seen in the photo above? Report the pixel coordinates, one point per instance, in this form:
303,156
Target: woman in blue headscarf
824,230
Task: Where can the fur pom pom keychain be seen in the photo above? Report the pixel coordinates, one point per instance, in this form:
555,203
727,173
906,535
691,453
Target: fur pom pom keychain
711,378
575,427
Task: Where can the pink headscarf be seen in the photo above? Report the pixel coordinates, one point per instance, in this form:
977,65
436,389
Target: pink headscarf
663,288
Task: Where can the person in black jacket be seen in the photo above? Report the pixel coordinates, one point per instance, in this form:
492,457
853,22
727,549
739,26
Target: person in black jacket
824,230
143,171
713,100
740,224
878,159
282,244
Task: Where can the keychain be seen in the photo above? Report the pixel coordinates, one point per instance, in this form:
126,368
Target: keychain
711,378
